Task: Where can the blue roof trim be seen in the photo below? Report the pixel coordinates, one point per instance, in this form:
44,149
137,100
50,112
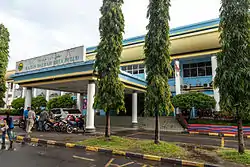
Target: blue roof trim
132,78
71,68
54,73
174,31
71,65
131,75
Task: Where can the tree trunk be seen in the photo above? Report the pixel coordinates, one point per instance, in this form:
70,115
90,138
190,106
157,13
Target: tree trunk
107,129
241,145
157,128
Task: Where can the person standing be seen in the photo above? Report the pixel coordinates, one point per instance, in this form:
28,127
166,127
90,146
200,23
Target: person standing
44,115
25,117
31,121
8,128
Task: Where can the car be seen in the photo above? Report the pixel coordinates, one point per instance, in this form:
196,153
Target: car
64,112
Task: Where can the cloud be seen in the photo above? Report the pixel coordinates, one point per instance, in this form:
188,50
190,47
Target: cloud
41,27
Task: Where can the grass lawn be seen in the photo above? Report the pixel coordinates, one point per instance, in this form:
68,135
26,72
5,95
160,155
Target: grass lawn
164,149
234,156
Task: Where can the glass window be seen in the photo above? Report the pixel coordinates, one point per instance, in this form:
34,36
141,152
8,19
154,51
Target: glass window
56,111
201,64
208,63
123,68
208,70
141,66
141,71
73,111
134,69
129,71
197,69
185,65
186,73
201,71
194,65
194,72
135,66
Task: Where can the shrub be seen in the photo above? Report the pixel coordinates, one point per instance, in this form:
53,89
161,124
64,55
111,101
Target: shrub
18,103
64,101
38,102
12,111
193,99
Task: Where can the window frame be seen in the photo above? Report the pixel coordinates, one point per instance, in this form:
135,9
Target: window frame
134,69
189,69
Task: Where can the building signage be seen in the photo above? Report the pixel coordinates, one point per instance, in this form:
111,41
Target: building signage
54,59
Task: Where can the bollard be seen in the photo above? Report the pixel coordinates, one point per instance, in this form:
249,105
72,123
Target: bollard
222,142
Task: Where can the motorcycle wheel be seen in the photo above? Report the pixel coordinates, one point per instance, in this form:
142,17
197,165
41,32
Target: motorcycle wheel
57,129
84,129
63,128
21,124
37,127
47,127
69,129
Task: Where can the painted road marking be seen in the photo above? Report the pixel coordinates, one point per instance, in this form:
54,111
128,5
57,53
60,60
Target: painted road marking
130,135
83,158
109,162
112,163
127,164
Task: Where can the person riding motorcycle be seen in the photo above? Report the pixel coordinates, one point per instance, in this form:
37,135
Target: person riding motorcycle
44,116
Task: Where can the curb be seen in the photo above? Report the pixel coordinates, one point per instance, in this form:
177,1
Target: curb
115,152
215,134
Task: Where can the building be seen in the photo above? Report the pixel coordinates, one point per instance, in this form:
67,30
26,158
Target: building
193,51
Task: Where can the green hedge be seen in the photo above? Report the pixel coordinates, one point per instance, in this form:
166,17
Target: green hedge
12,112
64,101
193,99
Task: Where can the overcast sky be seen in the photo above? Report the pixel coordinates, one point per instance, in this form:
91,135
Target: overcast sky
38,27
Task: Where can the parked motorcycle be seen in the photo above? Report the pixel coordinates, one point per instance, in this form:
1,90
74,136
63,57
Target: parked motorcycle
60,125
74,124
21,123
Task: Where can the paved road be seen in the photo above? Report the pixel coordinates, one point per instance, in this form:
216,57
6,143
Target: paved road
185,138
41,156
170,137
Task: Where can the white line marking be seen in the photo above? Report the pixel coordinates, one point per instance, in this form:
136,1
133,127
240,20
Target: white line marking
83,158
127,164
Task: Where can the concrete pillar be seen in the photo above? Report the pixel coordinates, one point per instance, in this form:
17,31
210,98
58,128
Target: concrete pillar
47,95
90,124
13,92
80,101
134,109
216,90
177,77
6,95
34,92
28,98
24,92
62,93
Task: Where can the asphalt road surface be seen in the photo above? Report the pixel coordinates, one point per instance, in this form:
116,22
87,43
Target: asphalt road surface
230,142
31,155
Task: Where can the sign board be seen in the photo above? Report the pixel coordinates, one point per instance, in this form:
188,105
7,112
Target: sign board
72,55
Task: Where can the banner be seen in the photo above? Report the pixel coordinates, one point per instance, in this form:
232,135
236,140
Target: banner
68,56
